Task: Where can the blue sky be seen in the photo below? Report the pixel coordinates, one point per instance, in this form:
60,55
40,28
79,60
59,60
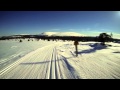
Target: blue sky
35,22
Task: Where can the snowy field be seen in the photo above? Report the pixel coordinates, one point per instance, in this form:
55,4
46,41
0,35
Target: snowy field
57,60
11,50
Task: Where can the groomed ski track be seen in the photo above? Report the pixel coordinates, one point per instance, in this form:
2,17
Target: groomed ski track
58,61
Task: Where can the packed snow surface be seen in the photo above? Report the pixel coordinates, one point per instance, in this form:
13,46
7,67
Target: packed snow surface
57,60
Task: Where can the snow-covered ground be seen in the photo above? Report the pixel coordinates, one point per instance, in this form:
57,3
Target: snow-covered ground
57,60
11,50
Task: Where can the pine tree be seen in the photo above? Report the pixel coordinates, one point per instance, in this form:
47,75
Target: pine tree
104,37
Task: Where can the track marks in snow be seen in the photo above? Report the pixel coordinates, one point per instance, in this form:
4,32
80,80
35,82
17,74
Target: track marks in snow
58,61
44,63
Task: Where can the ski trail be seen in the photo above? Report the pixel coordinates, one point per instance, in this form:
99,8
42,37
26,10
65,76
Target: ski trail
30,66
53,68
43,63
58,61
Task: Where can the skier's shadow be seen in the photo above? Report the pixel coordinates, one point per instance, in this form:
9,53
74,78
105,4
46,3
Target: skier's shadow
94,49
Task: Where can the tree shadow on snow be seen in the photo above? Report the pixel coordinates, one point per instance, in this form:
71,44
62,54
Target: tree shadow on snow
95,47
44,62
116,46
32,63
35,63
63,59
116,52
87,44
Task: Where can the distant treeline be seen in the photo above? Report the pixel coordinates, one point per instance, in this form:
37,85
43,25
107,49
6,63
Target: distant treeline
54,38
